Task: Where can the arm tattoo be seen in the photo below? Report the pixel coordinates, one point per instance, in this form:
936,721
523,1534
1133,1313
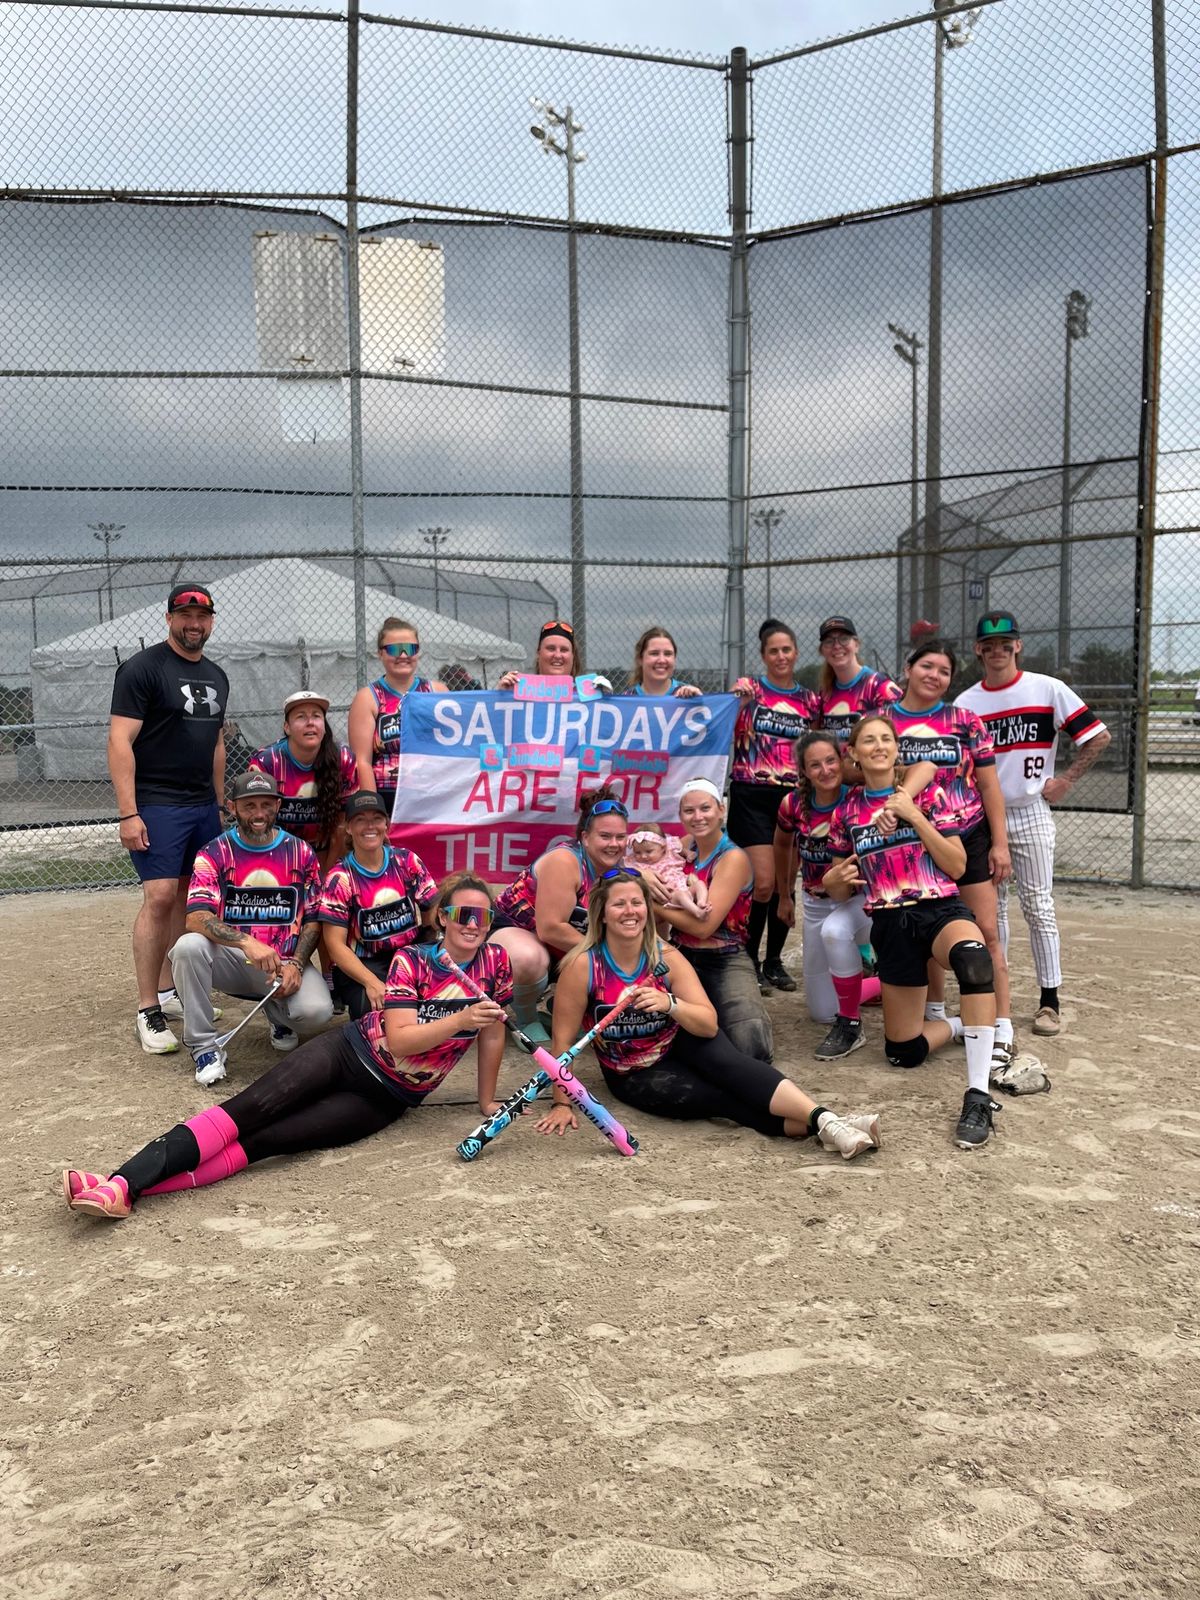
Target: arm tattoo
310,934
221,932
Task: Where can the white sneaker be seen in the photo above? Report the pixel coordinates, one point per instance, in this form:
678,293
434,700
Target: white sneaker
868,1122
155,1037
173,1009
283,1038
840,1134
210,1067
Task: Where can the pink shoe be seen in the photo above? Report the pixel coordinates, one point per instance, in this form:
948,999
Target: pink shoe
73,1181
107,1199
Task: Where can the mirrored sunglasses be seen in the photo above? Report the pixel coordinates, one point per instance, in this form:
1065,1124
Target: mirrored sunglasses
619,872
469,916
565,626
602,808
395,650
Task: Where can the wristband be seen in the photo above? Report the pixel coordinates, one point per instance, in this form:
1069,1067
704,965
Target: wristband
129,816
290,961
671,1007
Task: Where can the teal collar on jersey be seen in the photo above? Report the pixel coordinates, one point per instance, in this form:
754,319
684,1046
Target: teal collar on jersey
726,843
787,688
900,709
833,804
382,683
878,794
305,766
857,678
675,684
435,958
630,977
246,845
366,871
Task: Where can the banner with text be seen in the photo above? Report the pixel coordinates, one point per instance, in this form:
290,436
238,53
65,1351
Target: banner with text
491,782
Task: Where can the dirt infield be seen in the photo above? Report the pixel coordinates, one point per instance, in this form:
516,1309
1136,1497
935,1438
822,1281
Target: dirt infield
729,1367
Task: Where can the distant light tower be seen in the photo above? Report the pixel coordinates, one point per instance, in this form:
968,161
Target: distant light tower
544,133
908,347
768,519
1077,307
437,538
109,533
952,35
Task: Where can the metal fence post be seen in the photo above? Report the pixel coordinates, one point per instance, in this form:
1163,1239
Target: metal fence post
1147,509
737,483
354,341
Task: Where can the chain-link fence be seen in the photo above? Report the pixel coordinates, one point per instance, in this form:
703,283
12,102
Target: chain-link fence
318,309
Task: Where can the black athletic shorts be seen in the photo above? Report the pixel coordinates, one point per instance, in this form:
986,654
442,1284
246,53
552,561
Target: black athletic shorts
977,843
903,938
753,808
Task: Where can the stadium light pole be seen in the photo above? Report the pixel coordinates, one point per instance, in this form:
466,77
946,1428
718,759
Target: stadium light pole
947,35
768,519
547,133
109,533
1078,305
908,347
437,538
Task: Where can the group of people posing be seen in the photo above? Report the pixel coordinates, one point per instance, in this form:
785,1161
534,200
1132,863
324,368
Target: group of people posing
893,808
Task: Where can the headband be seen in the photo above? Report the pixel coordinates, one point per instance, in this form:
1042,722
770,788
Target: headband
705,786
643,837
562,629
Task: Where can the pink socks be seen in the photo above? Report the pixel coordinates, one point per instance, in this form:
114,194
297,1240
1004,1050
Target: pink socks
849,993
212,1130
222,1165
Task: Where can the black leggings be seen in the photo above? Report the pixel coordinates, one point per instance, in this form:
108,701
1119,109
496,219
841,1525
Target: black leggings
703,1078
351,993
320,1097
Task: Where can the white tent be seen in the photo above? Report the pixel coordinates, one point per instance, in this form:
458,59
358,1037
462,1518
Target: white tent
280,626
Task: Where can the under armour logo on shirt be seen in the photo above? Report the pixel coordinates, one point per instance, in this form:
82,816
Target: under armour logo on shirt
207,701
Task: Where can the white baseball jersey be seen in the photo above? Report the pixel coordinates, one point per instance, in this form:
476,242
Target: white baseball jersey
1023,720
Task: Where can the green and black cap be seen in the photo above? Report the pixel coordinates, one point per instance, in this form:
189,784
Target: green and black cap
996,625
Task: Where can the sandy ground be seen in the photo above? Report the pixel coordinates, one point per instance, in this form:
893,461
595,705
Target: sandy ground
728,1367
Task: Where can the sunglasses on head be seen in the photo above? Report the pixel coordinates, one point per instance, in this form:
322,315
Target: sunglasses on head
192,598
619,872
469,916
395,650
566,627
602,808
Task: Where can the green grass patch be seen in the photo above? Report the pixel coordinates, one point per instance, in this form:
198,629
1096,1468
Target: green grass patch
57,872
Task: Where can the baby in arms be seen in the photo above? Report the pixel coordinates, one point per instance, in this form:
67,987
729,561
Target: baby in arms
649,846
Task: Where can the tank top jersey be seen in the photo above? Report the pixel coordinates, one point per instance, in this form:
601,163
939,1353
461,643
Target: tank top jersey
897,868
768,724
957,743
268,890
418,982
299,807
637,1039
519,901
731,935
380,911
385,746
808,823
844,704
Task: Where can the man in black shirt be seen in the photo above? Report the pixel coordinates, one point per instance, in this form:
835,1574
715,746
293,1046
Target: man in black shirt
166,758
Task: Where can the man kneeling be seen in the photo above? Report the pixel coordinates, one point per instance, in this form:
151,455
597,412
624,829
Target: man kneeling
251,922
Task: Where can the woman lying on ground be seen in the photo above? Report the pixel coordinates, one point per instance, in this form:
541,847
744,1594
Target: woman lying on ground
345,1084
665,1053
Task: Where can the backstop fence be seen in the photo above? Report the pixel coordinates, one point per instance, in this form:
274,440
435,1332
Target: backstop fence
351,316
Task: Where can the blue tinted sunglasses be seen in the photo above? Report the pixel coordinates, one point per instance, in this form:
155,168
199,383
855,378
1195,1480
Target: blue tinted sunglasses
619,872
602,808
395,650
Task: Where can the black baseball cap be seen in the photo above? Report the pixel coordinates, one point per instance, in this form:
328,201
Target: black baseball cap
190,594
837,625
996,625
248,784
364,800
